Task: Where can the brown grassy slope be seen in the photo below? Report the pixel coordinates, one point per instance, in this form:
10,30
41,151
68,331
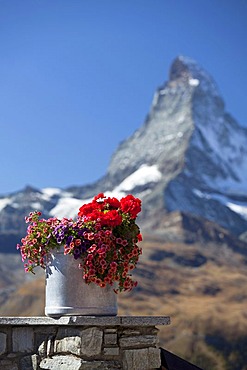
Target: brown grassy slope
201,286
204,302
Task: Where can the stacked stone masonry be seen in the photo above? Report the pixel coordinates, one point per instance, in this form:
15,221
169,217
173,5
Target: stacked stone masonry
80,343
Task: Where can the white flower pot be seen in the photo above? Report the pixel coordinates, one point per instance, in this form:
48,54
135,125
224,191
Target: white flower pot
68,294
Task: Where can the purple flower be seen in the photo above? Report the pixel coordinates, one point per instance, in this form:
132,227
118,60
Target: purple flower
69,240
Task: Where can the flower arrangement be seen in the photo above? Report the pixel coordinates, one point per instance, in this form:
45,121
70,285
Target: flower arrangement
103,239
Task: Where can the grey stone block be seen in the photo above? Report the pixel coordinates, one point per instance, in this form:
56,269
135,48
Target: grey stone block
154,359
29,363
42,349
141,359
131,332
38,320
135,359
110,338
92,365
61,362
111,351
138,341
11,355
68,344
3,343
8,365
91,342
110,330
50,346
22,339
95,320
145,320
101,365
87,320
68,340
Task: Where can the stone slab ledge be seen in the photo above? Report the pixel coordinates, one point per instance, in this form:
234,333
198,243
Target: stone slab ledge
87,320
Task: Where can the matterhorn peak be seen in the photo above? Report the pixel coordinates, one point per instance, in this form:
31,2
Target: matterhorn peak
190,92
196,147
185,70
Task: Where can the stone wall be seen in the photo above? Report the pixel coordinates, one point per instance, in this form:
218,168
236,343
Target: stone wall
80,343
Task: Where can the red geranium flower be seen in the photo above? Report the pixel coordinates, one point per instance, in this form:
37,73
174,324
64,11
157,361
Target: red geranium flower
86,209
131,205
113,202
111,218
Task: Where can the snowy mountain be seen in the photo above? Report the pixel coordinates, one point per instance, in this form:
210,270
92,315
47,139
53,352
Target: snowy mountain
189,156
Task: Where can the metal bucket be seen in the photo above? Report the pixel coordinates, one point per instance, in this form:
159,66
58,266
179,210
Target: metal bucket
68,294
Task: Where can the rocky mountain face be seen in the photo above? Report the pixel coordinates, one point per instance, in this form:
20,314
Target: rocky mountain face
190,156
198,150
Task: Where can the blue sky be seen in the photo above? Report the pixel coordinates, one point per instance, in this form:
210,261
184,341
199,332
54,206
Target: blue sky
78,76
